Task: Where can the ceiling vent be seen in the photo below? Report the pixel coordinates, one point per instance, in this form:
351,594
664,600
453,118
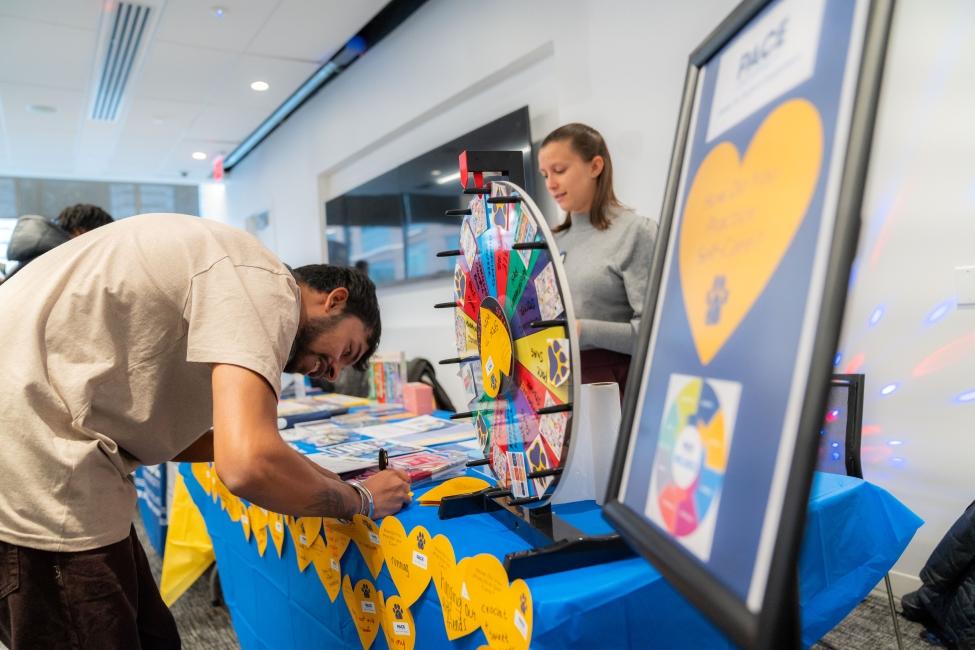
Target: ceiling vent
126,30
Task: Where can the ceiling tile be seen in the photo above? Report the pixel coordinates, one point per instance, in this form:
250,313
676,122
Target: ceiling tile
69,105
283,77
47,55
313,30
227,124
157,119
181,73
83,14
192,22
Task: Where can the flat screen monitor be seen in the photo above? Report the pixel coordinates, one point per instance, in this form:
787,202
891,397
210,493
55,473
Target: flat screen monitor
732,364
393,225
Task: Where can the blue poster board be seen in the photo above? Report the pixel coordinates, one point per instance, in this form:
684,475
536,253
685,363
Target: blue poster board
150,484
718,434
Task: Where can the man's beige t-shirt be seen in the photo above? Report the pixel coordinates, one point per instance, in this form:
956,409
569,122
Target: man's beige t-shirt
105,351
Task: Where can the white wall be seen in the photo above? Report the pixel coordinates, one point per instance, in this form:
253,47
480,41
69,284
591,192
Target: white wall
620,66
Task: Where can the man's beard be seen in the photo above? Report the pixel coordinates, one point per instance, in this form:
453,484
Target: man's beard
307,335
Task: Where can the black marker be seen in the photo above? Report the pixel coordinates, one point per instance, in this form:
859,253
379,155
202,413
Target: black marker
383,458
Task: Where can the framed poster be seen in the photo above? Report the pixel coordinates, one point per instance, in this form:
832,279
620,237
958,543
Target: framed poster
732,365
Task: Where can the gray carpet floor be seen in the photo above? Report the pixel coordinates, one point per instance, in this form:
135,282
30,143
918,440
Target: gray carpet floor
206,627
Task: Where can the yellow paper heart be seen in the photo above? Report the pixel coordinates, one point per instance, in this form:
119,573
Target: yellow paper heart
201,472
366,538
258,521
407,558
304,531
338,534
505,611
275,526
459,615
365,607
741,217
455,486
327,567
398,626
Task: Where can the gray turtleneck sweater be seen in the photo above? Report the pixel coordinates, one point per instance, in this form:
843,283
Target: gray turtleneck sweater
608,271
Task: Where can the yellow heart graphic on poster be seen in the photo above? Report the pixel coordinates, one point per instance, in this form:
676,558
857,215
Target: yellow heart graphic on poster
364,606
407,558
275,526
453,487
741,217
337,536
366,538
505,611
398,626
327,567
201,472
459,615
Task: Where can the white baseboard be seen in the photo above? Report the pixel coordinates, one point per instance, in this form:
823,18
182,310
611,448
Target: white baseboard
900,584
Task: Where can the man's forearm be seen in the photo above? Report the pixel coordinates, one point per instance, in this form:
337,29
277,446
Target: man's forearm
283,480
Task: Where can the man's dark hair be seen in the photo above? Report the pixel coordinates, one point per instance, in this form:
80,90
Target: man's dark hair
362,302
83,217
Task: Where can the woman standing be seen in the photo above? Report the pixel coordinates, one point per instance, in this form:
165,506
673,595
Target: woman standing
606,247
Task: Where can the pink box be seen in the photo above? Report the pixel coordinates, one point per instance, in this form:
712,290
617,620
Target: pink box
418,398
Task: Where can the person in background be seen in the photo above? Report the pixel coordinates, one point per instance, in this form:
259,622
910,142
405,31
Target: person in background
81,218
362,266
606,249
161,337
34,235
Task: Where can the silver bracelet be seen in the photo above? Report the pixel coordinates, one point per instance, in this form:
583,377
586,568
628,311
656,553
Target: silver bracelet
367,496
363,499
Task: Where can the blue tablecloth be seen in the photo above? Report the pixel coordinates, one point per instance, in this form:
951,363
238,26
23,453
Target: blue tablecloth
855,532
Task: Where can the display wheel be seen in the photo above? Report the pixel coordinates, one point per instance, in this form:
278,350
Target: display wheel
691,456
515,341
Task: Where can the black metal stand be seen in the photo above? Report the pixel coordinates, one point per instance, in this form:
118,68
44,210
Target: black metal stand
787,631
558,545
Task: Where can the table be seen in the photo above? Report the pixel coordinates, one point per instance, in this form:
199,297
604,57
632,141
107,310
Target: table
855,532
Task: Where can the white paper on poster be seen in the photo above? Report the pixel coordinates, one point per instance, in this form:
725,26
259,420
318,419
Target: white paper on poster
766,61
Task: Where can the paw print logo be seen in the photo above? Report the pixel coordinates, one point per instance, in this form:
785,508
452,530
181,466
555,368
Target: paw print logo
558,362
524,604
421,540
366,591
398,612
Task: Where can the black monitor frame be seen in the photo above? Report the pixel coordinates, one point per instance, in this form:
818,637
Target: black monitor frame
775,625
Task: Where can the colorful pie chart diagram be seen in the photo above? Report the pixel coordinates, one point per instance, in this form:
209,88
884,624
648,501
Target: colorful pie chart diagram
515,343
691,459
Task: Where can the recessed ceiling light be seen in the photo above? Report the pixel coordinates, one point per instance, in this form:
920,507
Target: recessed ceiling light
199,155
435,172
218,11
259,86
41,108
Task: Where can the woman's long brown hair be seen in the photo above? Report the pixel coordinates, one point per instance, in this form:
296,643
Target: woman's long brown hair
589,143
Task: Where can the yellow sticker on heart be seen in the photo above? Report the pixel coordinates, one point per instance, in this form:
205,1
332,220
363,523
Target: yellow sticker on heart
741,217
258,521
202,472
275,527
505,611
338,534
328,569
459,615
407,558
366,538
365,607
453,487
398,626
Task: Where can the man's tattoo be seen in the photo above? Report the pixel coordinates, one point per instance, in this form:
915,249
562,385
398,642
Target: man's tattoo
330,503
